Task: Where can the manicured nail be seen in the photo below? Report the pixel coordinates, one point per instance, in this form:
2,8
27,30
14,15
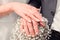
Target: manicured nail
33,35
29,35
29,20
42,20
38,20
37,33
42,24
23,30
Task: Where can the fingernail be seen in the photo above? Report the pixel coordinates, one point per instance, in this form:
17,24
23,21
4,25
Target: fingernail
29,35
42,24
23,30
29,20
38,20
33,35
36,33
42,20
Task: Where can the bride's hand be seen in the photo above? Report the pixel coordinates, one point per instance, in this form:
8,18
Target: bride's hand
26,11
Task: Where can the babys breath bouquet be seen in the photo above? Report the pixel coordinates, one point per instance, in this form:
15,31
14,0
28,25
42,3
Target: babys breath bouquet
44,32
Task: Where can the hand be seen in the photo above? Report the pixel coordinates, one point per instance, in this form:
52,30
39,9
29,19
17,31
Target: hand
26,11
30,28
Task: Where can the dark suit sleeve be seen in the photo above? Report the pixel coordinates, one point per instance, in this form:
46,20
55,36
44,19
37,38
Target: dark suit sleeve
35,3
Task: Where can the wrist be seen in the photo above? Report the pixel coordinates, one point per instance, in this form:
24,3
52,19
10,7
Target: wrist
13,5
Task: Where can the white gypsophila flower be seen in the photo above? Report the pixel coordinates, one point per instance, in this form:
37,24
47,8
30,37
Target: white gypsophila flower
43,32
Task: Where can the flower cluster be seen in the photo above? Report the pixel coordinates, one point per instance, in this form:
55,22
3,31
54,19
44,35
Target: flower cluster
44,32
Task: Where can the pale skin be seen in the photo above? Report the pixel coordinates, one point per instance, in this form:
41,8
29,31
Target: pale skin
29,16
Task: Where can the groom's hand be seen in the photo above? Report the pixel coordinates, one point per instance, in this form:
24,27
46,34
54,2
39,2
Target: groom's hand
30,28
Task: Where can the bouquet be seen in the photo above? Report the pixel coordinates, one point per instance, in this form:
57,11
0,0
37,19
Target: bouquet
44,32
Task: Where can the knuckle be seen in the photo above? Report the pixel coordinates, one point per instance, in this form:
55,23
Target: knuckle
31,30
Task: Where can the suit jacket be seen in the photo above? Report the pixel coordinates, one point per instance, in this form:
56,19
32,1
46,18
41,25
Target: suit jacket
48,8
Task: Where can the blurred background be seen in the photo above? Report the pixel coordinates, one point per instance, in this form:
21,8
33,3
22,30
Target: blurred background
6,1
7,23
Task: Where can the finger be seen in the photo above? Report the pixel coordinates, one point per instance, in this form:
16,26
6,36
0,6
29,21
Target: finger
35,25
26,28
36,13
23,16
30,29
33,8
29,13
38,16
27,18
42,23
32,16
21,25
